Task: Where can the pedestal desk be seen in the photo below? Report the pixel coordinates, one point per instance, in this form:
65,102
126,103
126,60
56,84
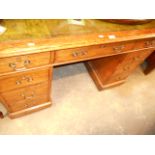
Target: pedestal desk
30,49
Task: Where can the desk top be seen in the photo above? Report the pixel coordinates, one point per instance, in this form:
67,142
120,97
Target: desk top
47,29
31,36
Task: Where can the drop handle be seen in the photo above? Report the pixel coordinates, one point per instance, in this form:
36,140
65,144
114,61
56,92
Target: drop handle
28,97
14,66
18,82
79,53
26,105
118,48
149,43
27,62
27,78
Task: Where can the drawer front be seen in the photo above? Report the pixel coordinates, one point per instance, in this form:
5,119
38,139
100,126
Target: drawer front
23,79
24,104
141,44
20,63
77,54
26,97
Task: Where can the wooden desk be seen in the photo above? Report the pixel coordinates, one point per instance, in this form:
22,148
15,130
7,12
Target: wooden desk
29,50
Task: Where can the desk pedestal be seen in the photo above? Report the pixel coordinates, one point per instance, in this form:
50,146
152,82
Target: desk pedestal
114,70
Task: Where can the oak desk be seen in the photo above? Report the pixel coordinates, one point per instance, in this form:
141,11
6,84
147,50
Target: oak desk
29,50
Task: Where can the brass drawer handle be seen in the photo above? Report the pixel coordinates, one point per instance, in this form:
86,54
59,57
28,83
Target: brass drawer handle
27,78
118,48
14,67
28,97
79,53
27,62
148,44
18,82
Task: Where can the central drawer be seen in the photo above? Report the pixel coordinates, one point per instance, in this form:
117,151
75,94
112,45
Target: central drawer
103,50
26,97
23,79
96,51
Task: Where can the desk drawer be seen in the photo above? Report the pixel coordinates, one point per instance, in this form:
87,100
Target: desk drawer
24,104
141,44
77,54
20,63
23,79
26,97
